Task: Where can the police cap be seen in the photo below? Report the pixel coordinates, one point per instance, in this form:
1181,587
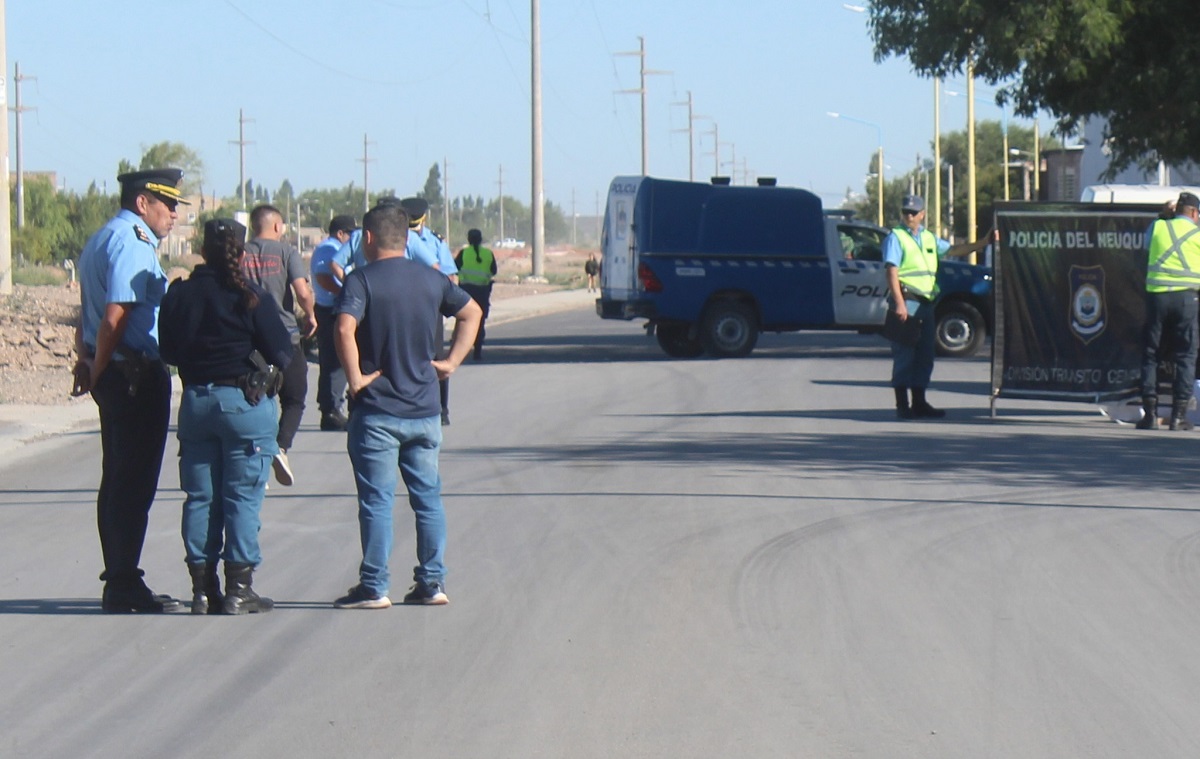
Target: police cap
163,183
218,231
1187,199
416,208
912,203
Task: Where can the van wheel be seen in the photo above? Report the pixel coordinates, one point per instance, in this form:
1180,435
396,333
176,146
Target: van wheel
730,329
674,340
961,330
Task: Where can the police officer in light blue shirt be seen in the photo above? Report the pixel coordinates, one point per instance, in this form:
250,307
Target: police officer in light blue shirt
329,262
428,247
121,286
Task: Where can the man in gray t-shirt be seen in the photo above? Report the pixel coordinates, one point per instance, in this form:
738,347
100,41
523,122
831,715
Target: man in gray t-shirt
277,268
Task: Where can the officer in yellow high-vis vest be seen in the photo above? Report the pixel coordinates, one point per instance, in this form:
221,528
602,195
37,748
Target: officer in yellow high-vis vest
1172,304
476,270
910,257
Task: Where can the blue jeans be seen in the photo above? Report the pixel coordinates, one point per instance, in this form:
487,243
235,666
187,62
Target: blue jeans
379,444
912,366
225,451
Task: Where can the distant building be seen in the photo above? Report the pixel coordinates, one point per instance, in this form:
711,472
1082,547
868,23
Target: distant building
1095,160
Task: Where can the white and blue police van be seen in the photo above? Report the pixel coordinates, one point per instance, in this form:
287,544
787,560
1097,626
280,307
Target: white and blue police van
711,266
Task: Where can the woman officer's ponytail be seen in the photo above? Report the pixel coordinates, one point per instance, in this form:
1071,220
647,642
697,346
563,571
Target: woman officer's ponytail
224,244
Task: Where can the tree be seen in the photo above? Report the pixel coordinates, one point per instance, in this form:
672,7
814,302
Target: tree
1120,60
989,179
176,155
433,187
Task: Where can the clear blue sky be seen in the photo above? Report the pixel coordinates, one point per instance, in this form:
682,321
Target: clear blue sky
434,79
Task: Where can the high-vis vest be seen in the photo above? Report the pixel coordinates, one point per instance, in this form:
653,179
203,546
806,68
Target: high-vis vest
1174,261
918,266
476,269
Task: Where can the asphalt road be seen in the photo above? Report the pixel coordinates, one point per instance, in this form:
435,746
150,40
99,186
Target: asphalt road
654,558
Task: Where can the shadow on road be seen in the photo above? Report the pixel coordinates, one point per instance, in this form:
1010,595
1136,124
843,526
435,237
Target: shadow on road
1007,455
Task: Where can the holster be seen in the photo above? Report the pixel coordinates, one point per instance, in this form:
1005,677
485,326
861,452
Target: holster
264,381
135,367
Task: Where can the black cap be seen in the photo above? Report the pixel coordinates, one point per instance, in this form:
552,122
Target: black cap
342,223
416,208
164,183
219,230
912,203
1187,199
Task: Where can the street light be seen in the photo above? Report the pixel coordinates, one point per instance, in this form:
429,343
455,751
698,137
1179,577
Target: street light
879,170
1024,165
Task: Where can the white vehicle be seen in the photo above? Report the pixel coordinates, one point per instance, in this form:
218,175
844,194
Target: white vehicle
1133,193
509,242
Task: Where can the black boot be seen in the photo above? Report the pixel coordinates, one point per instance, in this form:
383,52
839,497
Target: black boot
903,411
921,408
240,598
1179,420
1149,420
206,588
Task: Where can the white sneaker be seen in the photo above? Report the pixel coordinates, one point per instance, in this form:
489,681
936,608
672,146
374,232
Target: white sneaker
283,470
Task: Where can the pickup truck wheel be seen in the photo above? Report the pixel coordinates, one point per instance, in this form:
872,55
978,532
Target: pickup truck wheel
674,340
730,329
960,330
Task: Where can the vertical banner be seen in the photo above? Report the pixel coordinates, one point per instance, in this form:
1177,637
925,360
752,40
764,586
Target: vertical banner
1070,300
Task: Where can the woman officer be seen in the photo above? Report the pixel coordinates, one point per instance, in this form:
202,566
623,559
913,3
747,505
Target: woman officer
213,326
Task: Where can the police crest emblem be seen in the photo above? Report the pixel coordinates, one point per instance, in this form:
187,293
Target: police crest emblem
1088,310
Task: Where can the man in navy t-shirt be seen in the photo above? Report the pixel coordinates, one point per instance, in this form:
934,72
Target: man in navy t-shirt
387,318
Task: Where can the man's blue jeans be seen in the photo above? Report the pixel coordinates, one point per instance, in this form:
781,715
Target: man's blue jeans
379,446
912,366
225,451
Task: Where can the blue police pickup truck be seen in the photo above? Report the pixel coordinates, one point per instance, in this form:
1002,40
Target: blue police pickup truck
712,266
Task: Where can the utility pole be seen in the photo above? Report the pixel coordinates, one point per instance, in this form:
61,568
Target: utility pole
574,218
535,91
242,143
691,141
366,175
937,156
732,164
644,72
500,185
18,109
716,151
6,282
972,232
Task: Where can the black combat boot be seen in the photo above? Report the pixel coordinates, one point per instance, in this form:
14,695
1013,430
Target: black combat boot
206,588
240,598
1179,420
903,410
1149,420
921,408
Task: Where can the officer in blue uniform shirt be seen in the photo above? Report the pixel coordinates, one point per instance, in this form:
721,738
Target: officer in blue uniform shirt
910,258
121,286
428,247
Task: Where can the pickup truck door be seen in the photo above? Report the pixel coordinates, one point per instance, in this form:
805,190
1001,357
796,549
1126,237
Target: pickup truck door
859,281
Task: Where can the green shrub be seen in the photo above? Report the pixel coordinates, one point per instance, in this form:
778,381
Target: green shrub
39,275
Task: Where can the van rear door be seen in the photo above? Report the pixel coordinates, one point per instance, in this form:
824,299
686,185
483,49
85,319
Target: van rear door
618,270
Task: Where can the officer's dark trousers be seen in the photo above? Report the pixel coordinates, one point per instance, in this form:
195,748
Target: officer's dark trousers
331,382
912,365
291,397
133,433
1173,314
481,294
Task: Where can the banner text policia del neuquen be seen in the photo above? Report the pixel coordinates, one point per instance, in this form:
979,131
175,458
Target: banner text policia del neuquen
1070,300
